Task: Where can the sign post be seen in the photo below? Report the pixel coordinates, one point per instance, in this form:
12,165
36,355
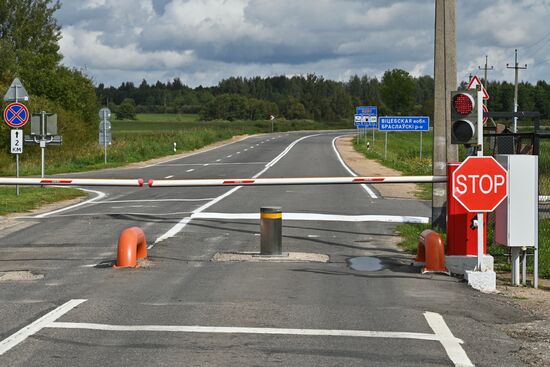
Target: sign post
16,115
366,117
403,123
105,130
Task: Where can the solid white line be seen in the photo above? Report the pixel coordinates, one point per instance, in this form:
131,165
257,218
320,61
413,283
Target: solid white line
245,330
100,195
169,176
208,164
451,344
367,189
318,217
190,170
34,327
179,226
192,154
150,200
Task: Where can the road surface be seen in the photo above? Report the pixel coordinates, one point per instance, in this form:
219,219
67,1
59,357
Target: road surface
182,308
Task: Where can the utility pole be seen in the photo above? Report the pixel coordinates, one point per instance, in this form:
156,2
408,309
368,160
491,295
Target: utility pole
485,69
445,82
517,68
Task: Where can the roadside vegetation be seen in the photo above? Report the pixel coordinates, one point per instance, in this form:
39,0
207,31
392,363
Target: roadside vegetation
33,197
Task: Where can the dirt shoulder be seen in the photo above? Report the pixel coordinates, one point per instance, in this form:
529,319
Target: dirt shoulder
368,167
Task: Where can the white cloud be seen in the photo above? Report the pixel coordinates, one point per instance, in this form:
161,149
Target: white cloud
203,41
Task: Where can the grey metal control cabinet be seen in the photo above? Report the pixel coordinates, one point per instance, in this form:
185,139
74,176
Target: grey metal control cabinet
517,216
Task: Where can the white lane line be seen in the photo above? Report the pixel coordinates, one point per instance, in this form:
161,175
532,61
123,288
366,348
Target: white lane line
150,201
103,214
451,344
245,330
199,152
252,147
246,150
367,189
190,170
229,156
218,160
169,176
34,327
318,217
100,195
208,164
238,153
181,225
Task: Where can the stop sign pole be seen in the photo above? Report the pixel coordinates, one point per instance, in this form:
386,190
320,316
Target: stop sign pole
480,217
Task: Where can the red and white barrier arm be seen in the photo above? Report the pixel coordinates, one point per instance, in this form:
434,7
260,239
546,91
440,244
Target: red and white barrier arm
295,181
71,181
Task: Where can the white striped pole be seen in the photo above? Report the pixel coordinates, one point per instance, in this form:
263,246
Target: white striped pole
71,181
295,181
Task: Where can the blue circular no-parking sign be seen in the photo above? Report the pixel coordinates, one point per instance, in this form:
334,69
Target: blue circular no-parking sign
16,114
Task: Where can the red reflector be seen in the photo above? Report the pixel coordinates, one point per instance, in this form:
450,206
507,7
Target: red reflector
463,104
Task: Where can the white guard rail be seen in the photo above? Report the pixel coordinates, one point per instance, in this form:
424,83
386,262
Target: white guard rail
295,181
71,181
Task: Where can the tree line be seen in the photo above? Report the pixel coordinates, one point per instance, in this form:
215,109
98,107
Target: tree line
306,97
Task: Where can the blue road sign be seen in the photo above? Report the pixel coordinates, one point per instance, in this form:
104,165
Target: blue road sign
16,115
367,116
404,123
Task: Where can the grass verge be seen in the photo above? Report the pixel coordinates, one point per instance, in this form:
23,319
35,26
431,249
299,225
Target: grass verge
33,197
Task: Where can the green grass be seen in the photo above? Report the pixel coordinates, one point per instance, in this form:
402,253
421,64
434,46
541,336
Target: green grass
409,235
402,154
142,139
33,197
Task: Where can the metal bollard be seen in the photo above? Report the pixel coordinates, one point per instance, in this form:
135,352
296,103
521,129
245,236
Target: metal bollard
271,230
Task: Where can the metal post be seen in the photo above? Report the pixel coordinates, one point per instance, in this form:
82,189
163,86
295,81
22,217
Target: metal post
386,146
17,172
421,145
516,68
42,143
105,135
271,230
515,265
480,224
524,267
373,130
17,155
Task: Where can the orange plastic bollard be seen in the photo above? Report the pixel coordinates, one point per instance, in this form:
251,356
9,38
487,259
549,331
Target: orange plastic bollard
131,246
431,251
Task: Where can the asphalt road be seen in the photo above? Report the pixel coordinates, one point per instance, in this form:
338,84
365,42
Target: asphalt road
183,309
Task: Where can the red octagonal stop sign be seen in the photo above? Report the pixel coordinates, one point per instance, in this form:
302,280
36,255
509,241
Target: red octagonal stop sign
480,184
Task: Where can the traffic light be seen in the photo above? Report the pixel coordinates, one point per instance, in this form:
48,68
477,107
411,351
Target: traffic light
464,111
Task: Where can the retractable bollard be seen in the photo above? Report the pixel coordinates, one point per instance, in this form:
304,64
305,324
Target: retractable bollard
271,231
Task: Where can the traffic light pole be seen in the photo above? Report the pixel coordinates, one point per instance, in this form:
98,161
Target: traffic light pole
480,224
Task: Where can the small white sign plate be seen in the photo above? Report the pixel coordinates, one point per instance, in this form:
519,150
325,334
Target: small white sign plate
16,141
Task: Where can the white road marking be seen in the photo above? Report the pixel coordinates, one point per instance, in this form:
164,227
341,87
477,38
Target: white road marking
229,156
34,327
318,217
246,150
451,344
252,147
169,176
100,195
238,153
246,330
150,200
208,164
218,160
181,225
190,170
442,333
367,189
192,154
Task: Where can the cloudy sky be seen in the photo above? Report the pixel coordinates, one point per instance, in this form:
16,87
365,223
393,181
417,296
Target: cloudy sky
204,41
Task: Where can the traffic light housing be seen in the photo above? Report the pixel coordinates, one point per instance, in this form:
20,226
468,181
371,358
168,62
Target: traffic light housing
464,110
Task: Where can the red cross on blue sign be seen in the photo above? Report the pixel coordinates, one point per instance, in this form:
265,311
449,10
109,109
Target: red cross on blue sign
16,115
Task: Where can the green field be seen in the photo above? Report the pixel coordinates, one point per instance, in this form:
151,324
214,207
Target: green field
150,136
33,197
